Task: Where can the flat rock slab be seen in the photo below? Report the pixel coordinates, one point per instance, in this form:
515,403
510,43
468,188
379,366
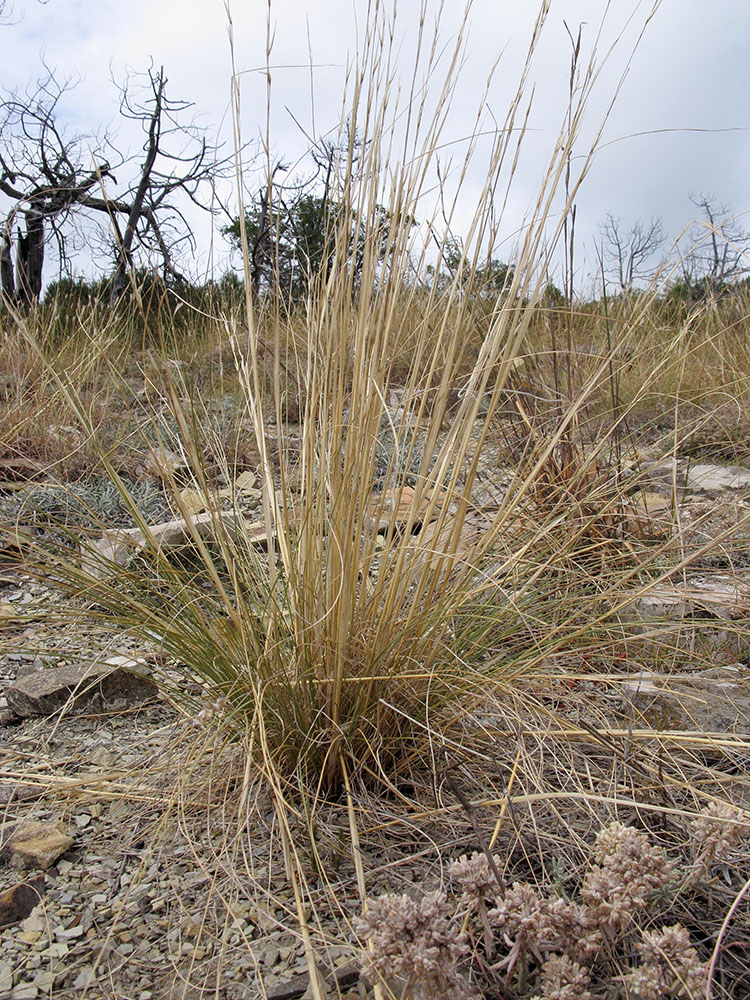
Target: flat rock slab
299,986
117,682
394,509
716,700
34,844
710,608
116,548
703,478
650,515
720,596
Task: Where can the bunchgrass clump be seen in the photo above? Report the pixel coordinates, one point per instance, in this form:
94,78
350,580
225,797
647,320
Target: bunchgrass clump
356,635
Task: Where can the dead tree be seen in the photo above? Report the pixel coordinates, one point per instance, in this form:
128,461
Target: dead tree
42,173
153,221
720,250
629,252
57,184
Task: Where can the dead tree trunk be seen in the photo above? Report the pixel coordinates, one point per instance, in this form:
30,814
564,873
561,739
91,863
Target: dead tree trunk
30,260
7,279
125,248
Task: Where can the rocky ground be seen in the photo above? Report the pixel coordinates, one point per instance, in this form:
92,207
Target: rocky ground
123,897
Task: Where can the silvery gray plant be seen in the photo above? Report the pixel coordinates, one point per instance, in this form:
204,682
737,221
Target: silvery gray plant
95,503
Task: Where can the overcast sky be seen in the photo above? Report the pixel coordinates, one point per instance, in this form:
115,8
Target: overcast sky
681,124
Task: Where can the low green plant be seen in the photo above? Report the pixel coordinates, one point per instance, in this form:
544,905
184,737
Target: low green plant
88,504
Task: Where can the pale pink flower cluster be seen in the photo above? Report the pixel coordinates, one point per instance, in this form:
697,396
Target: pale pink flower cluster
543,924
628,871
415,945
670,967
522,914
475,877
477,880
414,941
717,832
563,979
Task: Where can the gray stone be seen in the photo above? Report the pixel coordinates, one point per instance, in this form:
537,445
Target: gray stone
109,683
25,992
6,978
58,949
706,478
69,932
724,597
698,478
704,607
45,979
716,700
36,921
86,977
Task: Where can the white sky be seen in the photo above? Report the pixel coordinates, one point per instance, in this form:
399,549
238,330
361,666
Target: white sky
687,88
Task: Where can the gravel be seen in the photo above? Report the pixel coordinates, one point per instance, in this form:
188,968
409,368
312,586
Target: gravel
145,904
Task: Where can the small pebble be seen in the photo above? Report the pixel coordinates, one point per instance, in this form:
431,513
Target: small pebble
36,921
24,993
58,949
70,932
45,979
85,977
6,978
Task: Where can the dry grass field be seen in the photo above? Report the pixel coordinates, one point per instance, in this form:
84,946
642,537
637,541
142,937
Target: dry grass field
453,678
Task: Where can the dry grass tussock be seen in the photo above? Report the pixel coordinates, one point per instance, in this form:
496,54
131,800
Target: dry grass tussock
421,669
